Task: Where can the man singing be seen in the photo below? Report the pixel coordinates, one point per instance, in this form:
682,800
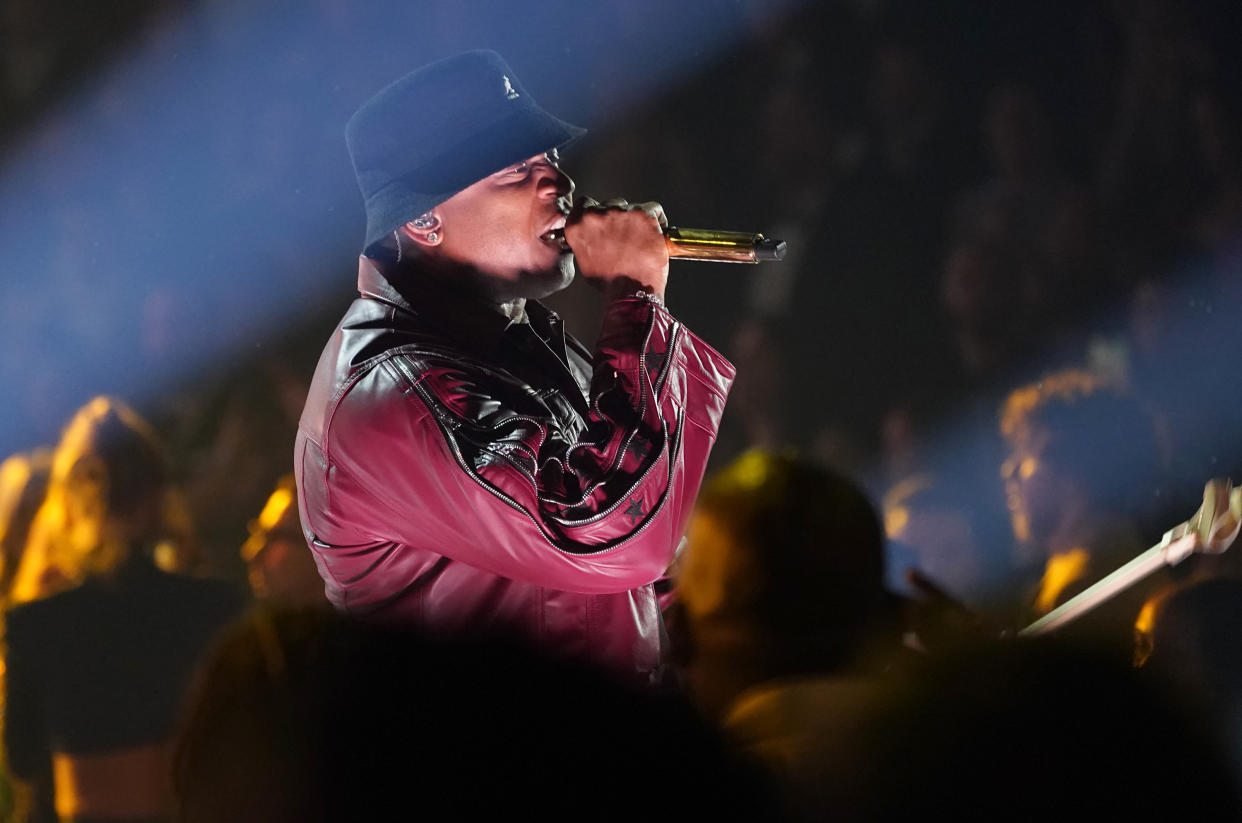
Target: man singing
462,463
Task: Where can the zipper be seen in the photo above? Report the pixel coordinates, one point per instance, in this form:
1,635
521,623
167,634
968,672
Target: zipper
433,407
668,486
534,453
595,518
461,460
674,339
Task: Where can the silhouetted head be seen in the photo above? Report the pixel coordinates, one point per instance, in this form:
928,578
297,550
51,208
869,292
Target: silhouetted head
108,495
279,566
784,572
1076,440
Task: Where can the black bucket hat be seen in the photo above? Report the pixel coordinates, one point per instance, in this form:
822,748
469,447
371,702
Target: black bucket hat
441,128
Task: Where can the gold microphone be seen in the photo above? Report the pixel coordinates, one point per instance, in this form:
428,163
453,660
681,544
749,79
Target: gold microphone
713,246
722,246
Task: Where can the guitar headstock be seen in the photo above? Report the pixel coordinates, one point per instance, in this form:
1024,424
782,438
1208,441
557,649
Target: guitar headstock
1216,524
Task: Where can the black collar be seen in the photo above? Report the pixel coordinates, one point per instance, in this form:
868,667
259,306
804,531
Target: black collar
455,313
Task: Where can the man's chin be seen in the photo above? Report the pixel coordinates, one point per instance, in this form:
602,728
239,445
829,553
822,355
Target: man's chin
538,285
554,272
568,269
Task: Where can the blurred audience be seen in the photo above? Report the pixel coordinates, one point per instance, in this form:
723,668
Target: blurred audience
306,716
279,567
23,484
935,535
981,293
1187,636
234,437
1034,731
95,671
1083,459
783,578
783,623
72,535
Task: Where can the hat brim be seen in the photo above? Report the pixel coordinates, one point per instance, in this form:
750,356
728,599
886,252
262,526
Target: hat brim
508,141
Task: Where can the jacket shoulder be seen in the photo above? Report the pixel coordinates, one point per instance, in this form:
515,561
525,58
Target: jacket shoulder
371,333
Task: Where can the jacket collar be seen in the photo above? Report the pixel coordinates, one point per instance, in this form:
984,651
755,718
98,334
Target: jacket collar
454,313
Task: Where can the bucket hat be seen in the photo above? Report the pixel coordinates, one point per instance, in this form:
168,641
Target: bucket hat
441,128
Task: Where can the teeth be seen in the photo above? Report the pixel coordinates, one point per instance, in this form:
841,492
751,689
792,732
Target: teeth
555,236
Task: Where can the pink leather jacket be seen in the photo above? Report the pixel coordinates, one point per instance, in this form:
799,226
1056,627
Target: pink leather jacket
467,474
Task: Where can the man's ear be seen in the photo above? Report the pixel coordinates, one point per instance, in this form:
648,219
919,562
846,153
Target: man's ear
425,229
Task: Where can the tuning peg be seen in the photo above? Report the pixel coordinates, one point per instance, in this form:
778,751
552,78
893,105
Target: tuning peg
1220,519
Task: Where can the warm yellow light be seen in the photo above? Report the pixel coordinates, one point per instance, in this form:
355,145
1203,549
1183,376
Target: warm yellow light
750,470
1146,617
1027,467
1062,570
1144,624
896,502
166,555
895,521
14,474
716,573
275,508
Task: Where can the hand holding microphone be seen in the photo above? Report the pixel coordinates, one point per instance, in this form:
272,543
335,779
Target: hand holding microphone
701,244
619,246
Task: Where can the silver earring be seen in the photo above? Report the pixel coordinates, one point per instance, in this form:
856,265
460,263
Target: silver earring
433,237
424,221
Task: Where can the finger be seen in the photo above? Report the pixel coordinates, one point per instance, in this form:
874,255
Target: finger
579,206
655,210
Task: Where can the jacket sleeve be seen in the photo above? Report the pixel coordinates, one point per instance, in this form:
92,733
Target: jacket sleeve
601,511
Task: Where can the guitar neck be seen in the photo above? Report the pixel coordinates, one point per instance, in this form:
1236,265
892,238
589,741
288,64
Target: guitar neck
1213,528
1167,552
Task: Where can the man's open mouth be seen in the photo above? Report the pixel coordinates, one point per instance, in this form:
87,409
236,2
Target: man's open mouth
556,237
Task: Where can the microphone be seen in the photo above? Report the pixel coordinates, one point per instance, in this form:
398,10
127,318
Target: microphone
715,246
722,246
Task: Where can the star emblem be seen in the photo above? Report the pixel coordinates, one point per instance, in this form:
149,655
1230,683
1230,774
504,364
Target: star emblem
640,446
635,509
655,360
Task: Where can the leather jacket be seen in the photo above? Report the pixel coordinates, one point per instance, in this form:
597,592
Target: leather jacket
470,474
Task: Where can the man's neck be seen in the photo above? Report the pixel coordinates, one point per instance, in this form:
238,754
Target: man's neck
514,309
464,282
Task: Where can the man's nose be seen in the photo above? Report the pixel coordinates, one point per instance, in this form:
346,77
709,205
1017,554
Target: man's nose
555,183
